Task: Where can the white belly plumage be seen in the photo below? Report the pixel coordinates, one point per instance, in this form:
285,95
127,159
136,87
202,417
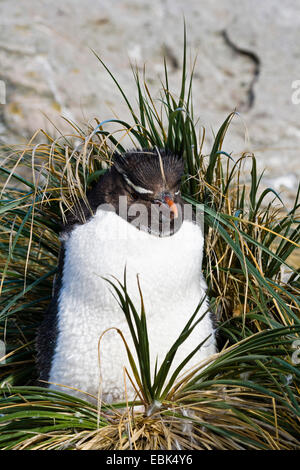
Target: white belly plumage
170,273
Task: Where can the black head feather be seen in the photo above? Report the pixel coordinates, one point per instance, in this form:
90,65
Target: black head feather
143,168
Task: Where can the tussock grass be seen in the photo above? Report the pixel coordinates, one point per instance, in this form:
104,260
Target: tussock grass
246,397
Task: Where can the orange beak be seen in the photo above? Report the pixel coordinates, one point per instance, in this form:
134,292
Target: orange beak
172,206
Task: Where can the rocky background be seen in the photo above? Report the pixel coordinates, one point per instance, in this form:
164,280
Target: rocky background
248,58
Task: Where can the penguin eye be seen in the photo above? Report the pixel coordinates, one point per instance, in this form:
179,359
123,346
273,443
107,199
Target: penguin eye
134,196
177,192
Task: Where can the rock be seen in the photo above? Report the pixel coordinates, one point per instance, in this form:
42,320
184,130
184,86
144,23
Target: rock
248,58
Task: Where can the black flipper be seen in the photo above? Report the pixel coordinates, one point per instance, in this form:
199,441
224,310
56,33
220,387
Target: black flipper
48,331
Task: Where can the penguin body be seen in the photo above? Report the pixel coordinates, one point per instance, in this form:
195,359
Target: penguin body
84,307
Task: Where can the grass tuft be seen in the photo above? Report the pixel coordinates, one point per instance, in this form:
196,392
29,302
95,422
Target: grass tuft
245,397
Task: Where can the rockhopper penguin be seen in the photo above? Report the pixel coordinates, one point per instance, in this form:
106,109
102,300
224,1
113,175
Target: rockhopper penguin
165,249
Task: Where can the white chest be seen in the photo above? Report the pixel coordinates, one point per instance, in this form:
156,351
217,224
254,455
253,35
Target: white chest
170,276
107,244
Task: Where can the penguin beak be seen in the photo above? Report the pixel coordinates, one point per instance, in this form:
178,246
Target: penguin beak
172,206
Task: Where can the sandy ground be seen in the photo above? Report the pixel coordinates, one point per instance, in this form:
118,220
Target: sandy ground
248,58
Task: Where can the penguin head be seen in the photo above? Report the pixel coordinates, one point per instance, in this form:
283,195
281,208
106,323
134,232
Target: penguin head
152,177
